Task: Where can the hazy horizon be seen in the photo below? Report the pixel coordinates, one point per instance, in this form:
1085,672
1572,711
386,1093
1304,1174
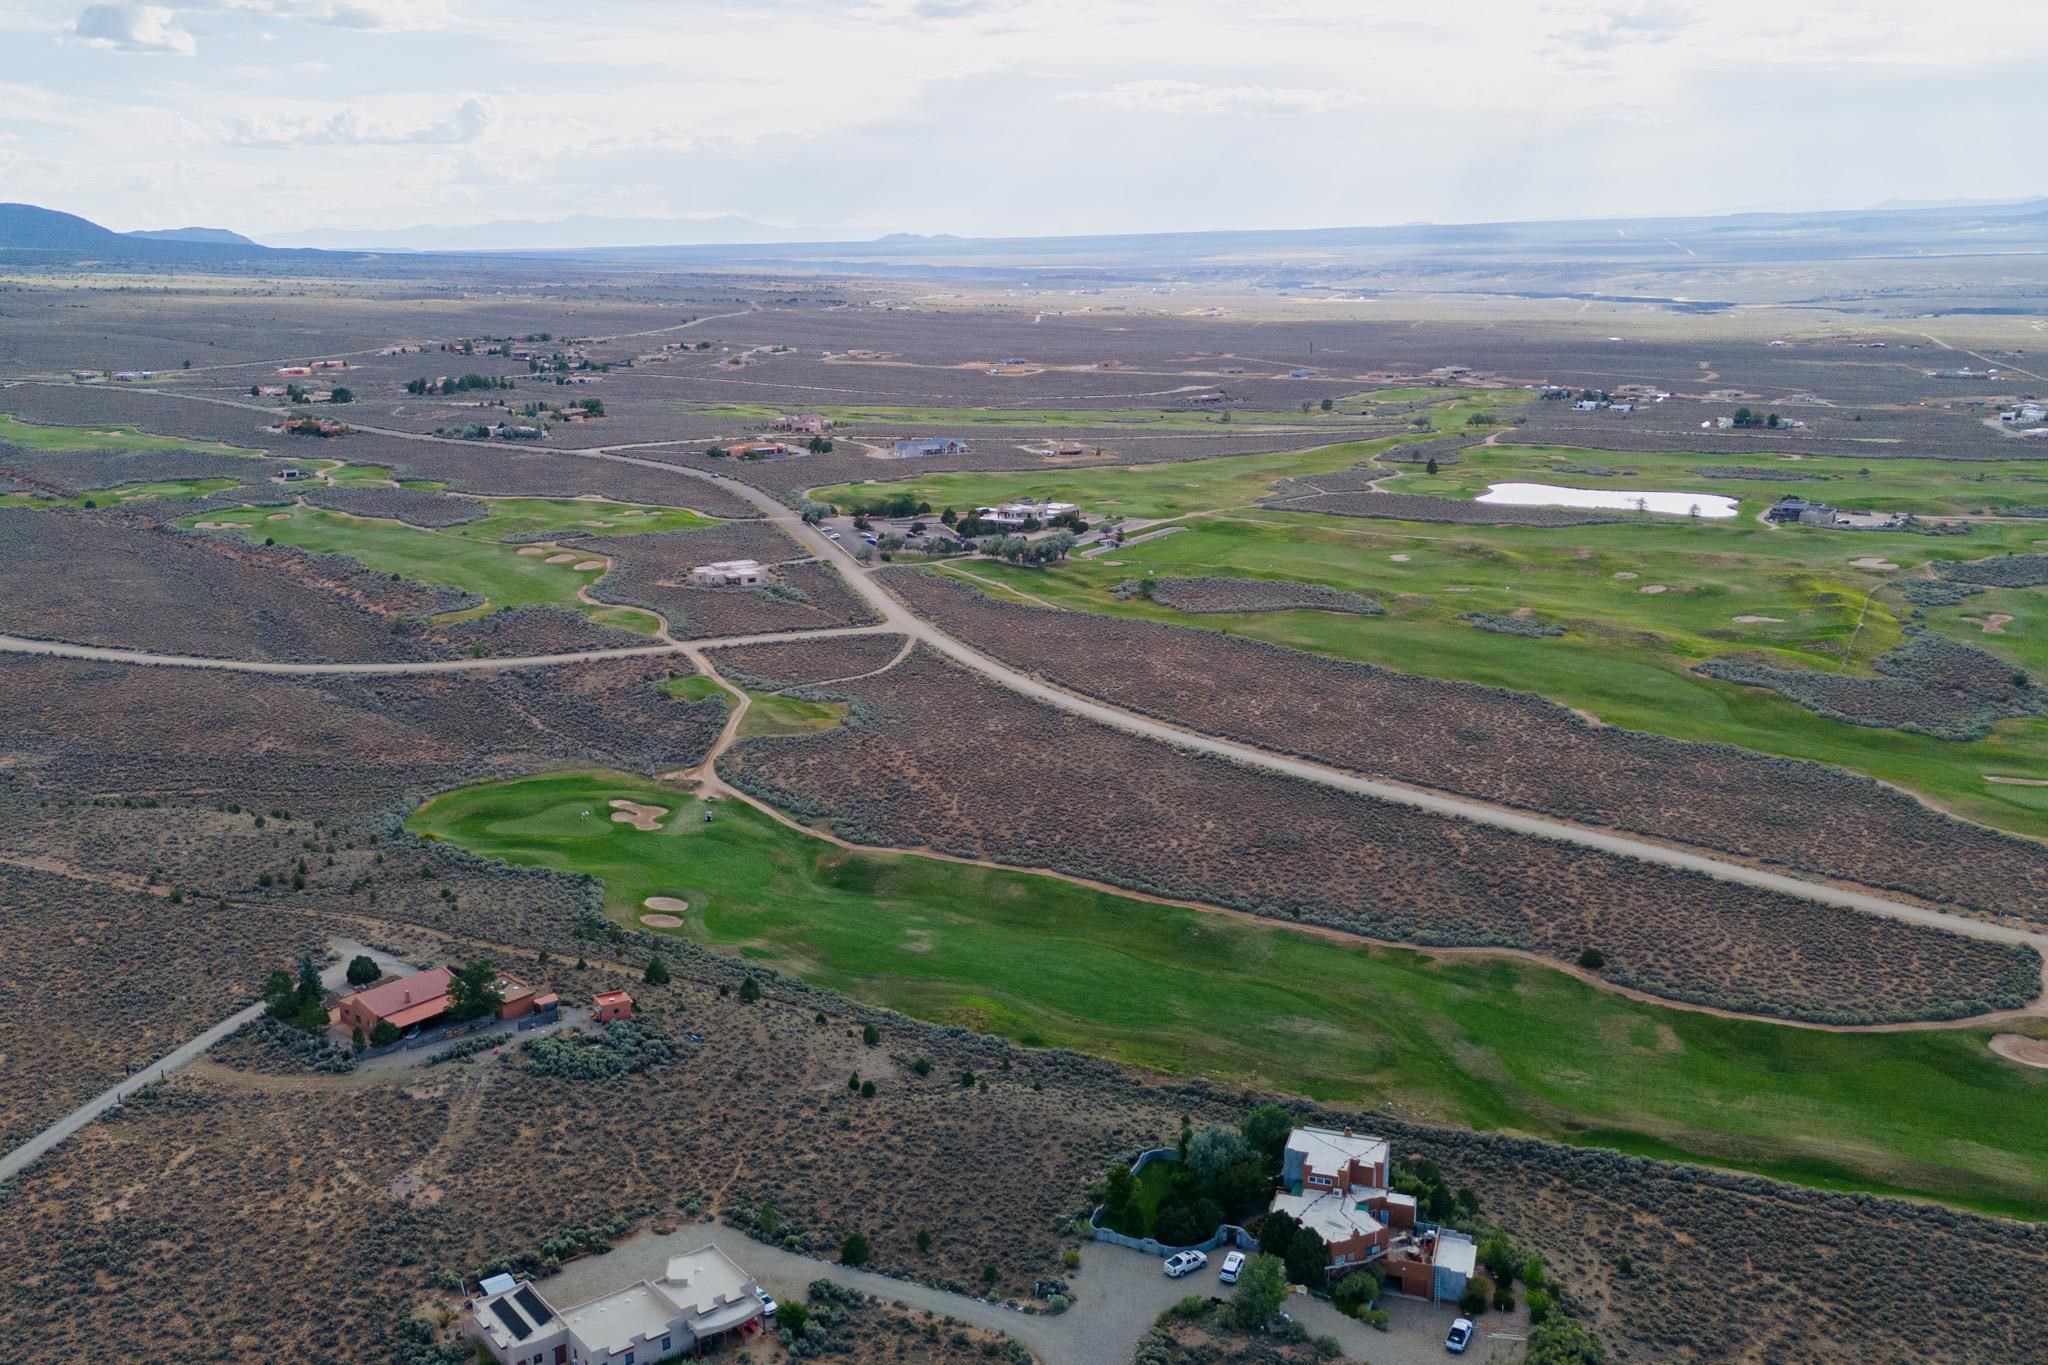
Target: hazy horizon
814,120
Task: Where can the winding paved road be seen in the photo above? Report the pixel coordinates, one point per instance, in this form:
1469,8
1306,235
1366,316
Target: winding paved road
897,617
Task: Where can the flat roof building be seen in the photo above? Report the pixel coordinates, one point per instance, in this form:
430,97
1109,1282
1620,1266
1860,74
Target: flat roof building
701,1297
728,573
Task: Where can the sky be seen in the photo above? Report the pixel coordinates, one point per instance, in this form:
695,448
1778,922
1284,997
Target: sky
822,119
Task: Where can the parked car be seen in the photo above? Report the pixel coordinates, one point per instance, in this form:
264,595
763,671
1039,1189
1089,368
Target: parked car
1460,1337
1232,1263
869,537
831,535
768,1303
1184,1263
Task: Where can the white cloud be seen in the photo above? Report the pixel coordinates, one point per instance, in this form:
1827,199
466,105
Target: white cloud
345,127
133,28
1192,97
370,16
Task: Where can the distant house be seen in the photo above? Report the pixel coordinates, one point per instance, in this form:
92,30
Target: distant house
85,376
295,371
1790,509
728,573
1338,1183
1586,405
608,1006
804,423
702,1299
762,450
1013,515
403,1002
421,999
928,446
330,364
132,376
291,474
1205,399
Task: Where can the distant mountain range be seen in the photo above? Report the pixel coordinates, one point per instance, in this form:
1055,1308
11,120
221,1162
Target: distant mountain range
1569,248
580,232
192,234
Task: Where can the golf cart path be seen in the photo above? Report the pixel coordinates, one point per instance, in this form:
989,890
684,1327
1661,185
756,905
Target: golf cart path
37,1147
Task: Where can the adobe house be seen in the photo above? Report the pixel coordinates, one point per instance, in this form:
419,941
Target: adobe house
1337,1184
607,1006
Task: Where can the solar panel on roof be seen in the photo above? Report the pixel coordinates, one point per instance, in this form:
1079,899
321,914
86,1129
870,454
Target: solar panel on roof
535,1309
514,1324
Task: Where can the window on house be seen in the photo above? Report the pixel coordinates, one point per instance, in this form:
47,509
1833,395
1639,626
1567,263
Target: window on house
664,1345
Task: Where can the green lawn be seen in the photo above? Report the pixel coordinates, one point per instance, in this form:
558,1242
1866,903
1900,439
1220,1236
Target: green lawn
36,436
1496,1044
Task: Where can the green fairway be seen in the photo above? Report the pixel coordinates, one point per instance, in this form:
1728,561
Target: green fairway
1627,656
772,715
1153,490
1713,588
1928,488
695,687
470,557
1494,1043
120,493
36,436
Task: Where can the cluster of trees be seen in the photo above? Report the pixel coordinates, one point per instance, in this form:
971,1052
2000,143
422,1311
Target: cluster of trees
1745,417
462,385
1504,1265
1023,550
1221,1175
296,999
819,445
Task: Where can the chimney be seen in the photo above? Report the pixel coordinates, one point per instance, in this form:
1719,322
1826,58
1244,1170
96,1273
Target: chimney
1348,1133
408,1000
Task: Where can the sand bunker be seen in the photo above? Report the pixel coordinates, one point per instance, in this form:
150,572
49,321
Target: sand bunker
563,558
1625,573
1994,623
596,523
661,921
1759,620
2005,781
1877,562
533,549
1400,559
638,816
585,564
279,516
2016,1047
671,904
1653,588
